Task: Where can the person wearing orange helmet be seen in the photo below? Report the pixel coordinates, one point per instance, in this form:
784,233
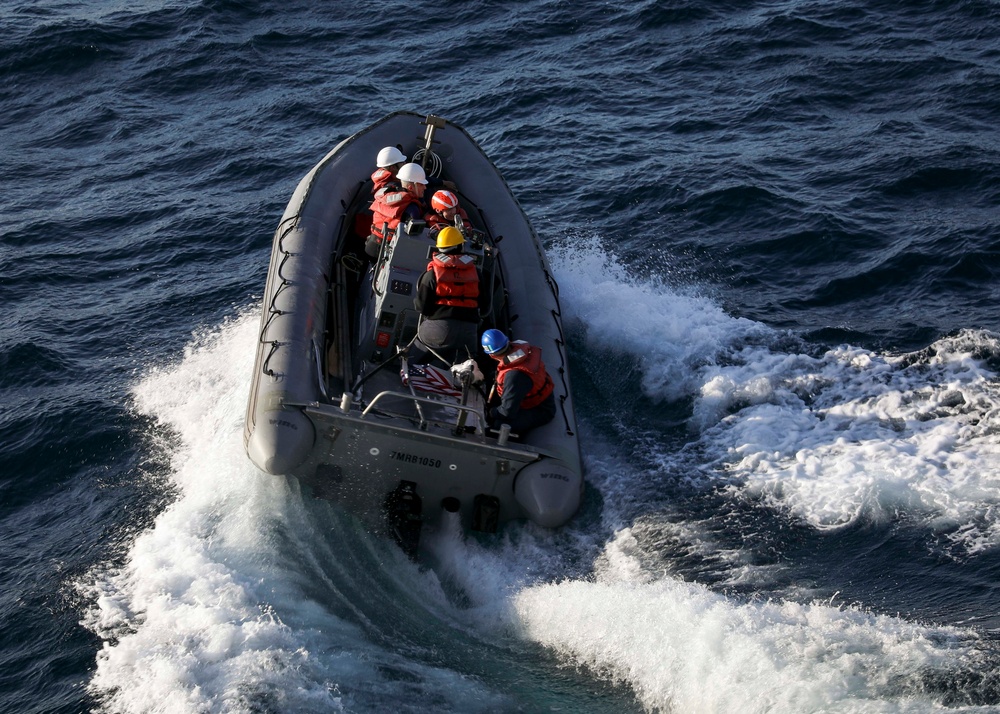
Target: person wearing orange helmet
444,208
449,296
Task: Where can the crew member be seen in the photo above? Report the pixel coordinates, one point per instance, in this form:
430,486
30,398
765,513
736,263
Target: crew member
388,161
392,204
449,296
524,387
444,208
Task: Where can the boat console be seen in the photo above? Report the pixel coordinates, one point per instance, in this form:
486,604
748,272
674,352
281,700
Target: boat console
393,322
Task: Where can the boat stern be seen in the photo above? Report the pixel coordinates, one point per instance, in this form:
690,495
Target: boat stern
359,461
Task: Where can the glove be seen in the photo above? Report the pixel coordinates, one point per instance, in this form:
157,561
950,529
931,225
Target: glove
466,374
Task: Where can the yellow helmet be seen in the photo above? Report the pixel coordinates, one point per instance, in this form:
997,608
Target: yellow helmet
449,237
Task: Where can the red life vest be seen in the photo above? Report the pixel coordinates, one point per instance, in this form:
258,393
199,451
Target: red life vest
435,221
525,358
381,178
457,280
388,207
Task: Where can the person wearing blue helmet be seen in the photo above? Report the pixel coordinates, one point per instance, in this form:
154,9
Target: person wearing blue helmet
525,389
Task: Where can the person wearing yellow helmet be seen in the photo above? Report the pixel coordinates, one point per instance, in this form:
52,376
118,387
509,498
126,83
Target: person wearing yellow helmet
448,239
449,296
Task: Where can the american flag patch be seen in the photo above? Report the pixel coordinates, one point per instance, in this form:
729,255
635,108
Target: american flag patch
428,378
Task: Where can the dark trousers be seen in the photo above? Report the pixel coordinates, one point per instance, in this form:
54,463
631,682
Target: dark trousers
524,420
454,340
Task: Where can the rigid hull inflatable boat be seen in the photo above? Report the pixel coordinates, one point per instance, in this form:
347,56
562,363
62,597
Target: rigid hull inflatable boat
327,402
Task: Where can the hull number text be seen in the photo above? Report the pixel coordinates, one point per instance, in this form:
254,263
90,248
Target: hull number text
414,459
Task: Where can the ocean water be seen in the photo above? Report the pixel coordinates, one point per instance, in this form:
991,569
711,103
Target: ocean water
776,231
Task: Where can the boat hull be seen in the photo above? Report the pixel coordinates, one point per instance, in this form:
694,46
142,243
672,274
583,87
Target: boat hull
326,403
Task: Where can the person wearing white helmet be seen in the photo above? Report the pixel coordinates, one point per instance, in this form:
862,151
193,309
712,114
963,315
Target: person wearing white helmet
388,161
394,203
414,179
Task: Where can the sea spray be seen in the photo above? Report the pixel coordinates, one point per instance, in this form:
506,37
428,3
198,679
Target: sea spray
233,600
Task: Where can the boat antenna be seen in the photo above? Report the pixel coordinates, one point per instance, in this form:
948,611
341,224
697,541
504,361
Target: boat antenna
427,155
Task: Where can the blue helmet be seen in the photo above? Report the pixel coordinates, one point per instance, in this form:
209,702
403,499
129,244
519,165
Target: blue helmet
494,341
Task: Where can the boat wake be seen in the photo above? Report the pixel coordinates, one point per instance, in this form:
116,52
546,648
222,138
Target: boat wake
668,639
248,595
833,437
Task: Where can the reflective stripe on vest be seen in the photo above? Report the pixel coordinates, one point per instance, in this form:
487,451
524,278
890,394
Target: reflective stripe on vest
457,279
388,207
527,359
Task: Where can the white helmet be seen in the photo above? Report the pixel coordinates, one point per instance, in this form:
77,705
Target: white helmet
413,173
388,156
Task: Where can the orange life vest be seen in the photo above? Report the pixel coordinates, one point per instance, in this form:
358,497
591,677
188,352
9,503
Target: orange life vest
435,221
525,358
381,178
388,207
456,278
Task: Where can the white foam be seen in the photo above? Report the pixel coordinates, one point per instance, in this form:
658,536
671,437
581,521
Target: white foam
238,598
669,332
187,622
214,609
683,648
855,435
832,439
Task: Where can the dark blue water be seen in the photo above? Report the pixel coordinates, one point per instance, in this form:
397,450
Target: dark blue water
776,229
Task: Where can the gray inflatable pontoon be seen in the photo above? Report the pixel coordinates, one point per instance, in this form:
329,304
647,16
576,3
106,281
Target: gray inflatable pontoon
327,402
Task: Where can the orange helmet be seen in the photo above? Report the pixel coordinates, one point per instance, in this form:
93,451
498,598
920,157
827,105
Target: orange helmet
443,200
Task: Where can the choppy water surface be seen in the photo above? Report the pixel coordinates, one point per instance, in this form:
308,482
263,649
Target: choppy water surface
775,229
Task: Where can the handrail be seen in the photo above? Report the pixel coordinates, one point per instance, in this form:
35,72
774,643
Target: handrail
524,452
264,368
424,400
409,382
379,265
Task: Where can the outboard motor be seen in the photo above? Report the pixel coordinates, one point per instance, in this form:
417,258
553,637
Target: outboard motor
404,507
485,513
